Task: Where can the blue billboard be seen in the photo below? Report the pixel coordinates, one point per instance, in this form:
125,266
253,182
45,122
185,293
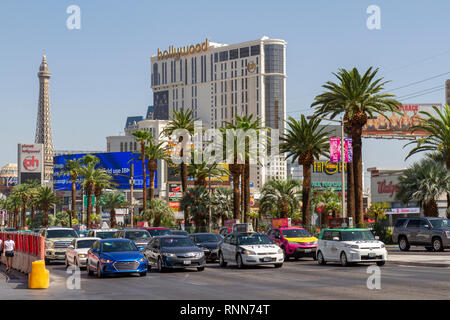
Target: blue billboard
117,164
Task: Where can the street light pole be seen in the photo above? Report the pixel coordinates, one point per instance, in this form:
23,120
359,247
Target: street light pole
210,212
344,209
131,193
341,122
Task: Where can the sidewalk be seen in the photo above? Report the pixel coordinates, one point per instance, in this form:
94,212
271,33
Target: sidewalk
421,260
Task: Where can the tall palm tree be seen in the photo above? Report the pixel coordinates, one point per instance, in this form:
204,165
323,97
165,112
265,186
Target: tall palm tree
222,203
305,142
142,137
88,173
72,169
246,123
357,97
159,213
181,120
438,127
46,199
439,139
424,182
102,181
24,191
280,197
153,152
13,205
197,199
113,201
200,172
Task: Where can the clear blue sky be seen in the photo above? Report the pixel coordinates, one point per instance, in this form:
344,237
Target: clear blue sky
101,73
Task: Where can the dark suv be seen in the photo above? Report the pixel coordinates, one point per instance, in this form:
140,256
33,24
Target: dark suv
431,232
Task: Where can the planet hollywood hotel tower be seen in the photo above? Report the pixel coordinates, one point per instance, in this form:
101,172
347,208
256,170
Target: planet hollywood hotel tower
220,81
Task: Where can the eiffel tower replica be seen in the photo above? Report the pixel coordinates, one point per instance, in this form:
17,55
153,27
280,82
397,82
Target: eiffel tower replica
43,125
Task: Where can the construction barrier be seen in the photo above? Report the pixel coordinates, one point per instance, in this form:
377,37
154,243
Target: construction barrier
30,247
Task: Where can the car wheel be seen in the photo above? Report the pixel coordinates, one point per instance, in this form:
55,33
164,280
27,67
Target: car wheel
278,265
142,274
99,271
88,268
285,255
200,268
239,262
344,261
403,244
320,258
437,244
160,266
222,262
381,263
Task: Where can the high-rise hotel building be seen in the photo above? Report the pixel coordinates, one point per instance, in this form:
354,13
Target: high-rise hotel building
219,81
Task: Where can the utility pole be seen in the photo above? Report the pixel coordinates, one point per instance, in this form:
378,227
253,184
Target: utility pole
131,193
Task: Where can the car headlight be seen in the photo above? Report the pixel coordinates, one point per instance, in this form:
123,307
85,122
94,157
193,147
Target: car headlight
198,254
293,242
382,245
447,233
280,251
168,254
49,245
81,255
248,252
353,246
142,260
315,242
106,261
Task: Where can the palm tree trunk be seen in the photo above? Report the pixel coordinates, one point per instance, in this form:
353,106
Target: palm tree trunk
246,188
16,218
89,209
112,217
46,218
350,192
358,174
74,200
306,195
24,217
183,173
284,210
241,178
151,175
144,177
235,170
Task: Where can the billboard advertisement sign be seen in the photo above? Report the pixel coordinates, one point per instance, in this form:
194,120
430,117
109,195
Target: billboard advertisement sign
30,162
335,149
384,187
115,163
403,211
398,124
281,223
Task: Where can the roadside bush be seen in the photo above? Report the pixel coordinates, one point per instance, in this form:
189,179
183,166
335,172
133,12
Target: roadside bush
383,232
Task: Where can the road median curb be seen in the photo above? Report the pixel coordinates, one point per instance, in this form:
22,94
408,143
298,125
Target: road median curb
420,264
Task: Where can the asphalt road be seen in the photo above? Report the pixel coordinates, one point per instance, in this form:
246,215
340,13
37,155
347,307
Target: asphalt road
303,279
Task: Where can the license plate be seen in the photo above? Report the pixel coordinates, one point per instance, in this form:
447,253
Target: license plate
308,250
187,261
267,259
372,255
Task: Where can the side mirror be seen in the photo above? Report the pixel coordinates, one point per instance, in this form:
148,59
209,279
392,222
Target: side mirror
141,248
377,238
335,238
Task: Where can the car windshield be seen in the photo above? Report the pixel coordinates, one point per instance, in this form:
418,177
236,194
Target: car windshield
440,223
179,232
357,235
137,235
295,233
159,232
254,239
105,234
84,244
176,242
69,233
115,246
207,238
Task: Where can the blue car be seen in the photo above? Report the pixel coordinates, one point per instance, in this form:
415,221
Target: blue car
110,256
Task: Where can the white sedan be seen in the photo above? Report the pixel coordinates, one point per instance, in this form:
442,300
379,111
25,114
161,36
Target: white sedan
250,248
76,253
